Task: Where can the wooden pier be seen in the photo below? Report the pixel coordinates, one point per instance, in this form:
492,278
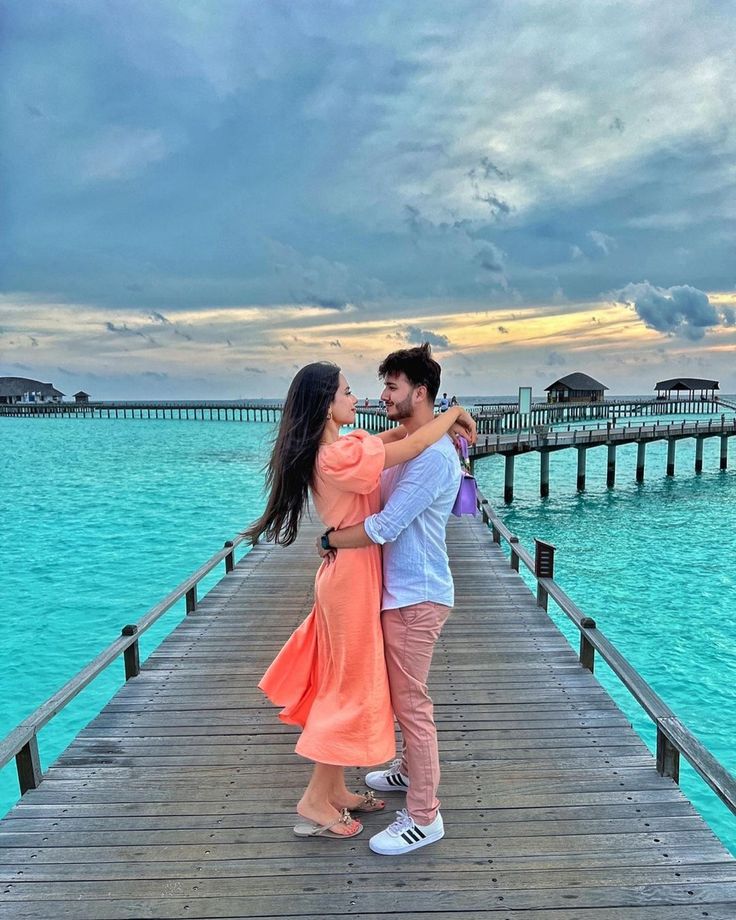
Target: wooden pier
177,800
195,410
545,442
498,418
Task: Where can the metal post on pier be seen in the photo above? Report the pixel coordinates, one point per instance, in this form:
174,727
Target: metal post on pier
544,567
587,649
131,655
191,600
582,456
641,453
724,452
671,443
668,757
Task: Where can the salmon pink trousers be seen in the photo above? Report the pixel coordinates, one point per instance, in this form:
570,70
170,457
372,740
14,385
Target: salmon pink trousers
409,638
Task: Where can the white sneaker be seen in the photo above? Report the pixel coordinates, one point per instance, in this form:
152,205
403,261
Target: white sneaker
391,780
404,835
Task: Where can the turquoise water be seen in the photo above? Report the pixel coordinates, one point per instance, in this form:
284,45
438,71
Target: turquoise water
99,519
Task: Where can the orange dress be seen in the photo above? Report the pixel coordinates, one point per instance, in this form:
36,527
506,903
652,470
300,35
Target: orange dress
330,677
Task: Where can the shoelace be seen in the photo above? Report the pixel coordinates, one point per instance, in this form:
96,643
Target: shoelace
402,822
394,768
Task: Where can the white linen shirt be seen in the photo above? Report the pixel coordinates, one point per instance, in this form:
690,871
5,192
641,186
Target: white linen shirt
416,498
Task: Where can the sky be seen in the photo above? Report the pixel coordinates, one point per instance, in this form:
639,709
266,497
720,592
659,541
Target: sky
200,197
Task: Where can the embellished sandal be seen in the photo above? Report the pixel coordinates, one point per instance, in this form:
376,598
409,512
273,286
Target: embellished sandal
369,803
312,829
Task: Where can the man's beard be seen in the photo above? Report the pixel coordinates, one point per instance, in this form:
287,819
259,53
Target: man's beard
403,409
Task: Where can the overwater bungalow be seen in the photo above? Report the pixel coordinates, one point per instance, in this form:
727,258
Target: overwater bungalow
686,388
575,387
81,397
24,390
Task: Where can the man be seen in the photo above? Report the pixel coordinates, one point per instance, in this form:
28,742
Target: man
444,403
418,593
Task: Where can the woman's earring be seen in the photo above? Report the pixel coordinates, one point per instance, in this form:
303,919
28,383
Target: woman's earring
329,416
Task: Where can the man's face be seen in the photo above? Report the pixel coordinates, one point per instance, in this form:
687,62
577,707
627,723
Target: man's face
400,396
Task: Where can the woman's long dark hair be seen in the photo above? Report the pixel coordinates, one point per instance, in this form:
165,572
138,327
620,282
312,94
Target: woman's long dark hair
290,470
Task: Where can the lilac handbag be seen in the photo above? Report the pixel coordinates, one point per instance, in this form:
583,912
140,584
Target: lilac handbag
465,501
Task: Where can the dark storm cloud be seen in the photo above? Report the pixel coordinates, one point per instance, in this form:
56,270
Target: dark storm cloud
151,164
680,310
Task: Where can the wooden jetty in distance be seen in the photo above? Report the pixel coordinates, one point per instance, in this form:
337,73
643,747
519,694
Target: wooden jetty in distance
491,418
197,410
503,417
545,442
177,799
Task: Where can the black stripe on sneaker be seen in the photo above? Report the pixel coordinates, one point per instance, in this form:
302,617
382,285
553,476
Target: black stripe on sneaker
410,836
400,780
417,831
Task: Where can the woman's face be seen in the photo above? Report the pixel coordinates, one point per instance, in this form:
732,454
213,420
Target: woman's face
343,405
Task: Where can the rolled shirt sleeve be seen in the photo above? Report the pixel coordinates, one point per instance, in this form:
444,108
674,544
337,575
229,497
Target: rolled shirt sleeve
423,480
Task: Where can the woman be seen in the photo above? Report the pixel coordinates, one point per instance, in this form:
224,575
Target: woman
330,677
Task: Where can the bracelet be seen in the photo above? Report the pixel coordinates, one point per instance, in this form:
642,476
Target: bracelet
325,539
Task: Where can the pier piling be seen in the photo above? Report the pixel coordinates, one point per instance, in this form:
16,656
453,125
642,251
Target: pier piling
582,456
611,466
699,455
544,473
671,444
724,452
641,452
508,483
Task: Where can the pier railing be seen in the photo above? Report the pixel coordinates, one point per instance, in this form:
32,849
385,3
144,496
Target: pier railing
673,738
548,438
22,742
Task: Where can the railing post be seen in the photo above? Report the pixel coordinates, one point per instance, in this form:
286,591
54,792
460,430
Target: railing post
28,764
192,599
587,649
131,654
513,540
230,558
668,757
544,567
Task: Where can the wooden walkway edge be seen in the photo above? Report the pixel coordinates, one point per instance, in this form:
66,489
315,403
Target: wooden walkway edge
177,800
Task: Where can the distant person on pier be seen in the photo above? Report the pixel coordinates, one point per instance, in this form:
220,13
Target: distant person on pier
444,403
453,401
418,592
330,677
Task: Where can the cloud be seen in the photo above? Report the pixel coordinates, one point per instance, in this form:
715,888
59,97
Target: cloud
555,359
729,316
416,336
681,310
122,152
125,330
602,241
159,318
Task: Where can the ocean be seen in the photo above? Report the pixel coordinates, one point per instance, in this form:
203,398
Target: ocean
99,519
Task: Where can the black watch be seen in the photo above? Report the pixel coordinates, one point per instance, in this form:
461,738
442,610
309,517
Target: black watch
325,539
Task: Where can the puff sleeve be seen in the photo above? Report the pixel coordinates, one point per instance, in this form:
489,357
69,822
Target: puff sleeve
353,463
